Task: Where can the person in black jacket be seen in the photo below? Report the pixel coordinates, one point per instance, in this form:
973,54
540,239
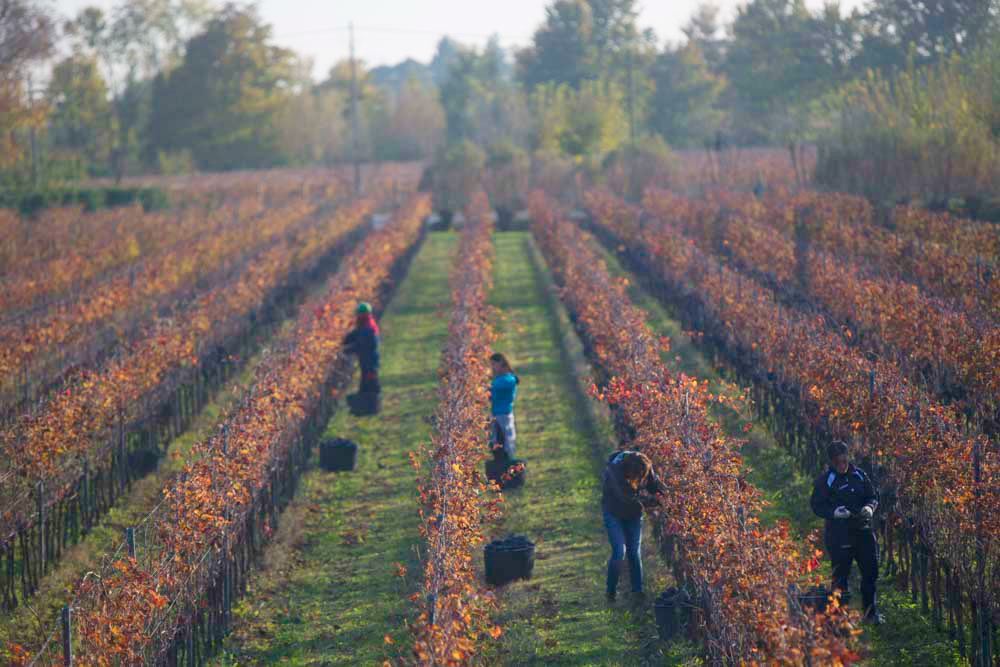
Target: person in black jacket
846,498
363,341
629,483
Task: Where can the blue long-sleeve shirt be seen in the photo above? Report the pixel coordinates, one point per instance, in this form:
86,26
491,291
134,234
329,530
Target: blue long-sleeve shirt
502,391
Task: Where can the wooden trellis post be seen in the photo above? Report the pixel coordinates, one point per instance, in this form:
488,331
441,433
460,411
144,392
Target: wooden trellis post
67,644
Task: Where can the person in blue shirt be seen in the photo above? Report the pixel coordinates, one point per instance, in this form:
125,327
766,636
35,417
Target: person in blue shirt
502,392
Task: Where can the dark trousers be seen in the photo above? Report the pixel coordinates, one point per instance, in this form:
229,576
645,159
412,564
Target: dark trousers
625,536
369,382
861,547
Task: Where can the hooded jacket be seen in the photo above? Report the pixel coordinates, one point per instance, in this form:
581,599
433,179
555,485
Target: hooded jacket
852,490
618,497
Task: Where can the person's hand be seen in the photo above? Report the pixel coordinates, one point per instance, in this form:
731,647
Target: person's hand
867,512
841,513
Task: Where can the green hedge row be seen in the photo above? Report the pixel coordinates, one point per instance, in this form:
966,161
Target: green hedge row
91,199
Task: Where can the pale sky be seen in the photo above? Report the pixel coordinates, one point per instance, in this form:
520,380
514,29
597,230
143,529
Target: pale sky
389,31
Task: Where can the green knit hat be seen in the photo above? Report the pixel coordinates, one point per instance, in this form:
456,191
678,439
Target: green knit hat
363,307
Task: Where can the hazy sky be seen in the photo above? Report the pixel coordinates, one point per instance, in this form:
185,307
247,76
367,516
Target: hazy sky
388,31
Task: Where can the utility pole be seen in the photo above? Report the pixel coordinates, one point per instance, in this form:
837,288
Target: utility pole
31,133
355,150
630,103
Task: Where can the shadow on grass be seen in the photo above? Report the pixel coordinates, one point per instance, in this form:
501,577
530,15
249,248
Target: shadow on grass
329,592
908,639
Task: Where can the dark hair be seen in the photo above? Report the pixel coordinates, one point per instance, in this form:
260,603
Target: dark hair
503,361
635,469
835,449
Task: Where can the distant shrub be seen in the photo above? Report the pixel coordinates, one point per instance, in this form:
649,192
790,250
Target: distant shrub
29,202
630,171
456,174
926,134
178,163
556,174
507,180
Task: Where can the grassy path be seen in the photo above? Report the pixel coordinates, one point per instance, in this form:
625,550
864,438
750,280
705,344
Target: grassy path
907,639
327,592
559,617
33,620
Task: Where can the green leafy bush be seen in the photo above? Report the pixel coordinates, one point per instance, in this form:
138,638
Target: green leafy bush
927,134
30,202
456,174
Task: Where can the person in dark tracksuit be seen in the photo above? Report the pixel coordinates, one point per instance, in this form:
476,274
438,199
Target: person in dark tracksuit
847,499
363,341
629,482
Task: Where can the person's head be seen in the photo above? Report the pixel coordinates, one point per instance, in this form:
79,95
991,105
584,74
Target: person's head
635,469
364,308
500,364
837,453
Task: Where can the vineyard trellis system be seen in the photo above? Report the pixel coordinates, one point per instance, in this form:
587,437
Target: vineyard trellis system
196,620
63,515
455,498
741,575
85,338
932,580
928,336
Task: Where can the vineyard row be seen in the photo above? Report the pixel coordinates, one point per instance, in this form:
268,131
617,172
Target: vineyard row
37,350
171,602
941,482
65,463
455,500
739,572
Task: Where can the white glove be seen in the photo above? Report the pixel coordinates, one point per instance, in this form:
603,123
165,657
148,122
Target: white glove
867,512
841,513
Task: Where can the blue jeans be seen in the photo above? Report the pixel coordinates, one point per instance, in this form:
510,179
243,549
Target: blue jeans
626,539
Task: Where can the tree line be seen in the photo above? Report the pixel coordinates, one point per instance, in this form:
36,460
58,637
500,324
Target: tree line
173,85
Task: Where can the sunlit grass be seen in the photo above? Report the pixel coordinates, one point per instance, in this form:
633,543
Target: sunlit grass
908,638
328,592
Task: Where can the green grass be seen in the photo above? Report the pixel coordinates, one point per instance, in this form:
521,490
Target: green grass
907,639
327,592
559,617
30,623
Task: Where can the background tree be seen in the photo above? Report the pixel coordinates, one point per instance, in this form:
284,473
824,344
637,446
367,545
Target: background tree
413,124
221,103
313,124
80,124
371,106
563,49
480,101
703,31
585,124
683,108
583,40
933,29
776,63
26,37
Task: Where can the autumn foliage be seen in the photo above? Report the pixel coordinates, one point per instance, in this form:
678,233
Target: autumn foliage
453,603
85,420
80,307
925,452
741,572
929,336
138,608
